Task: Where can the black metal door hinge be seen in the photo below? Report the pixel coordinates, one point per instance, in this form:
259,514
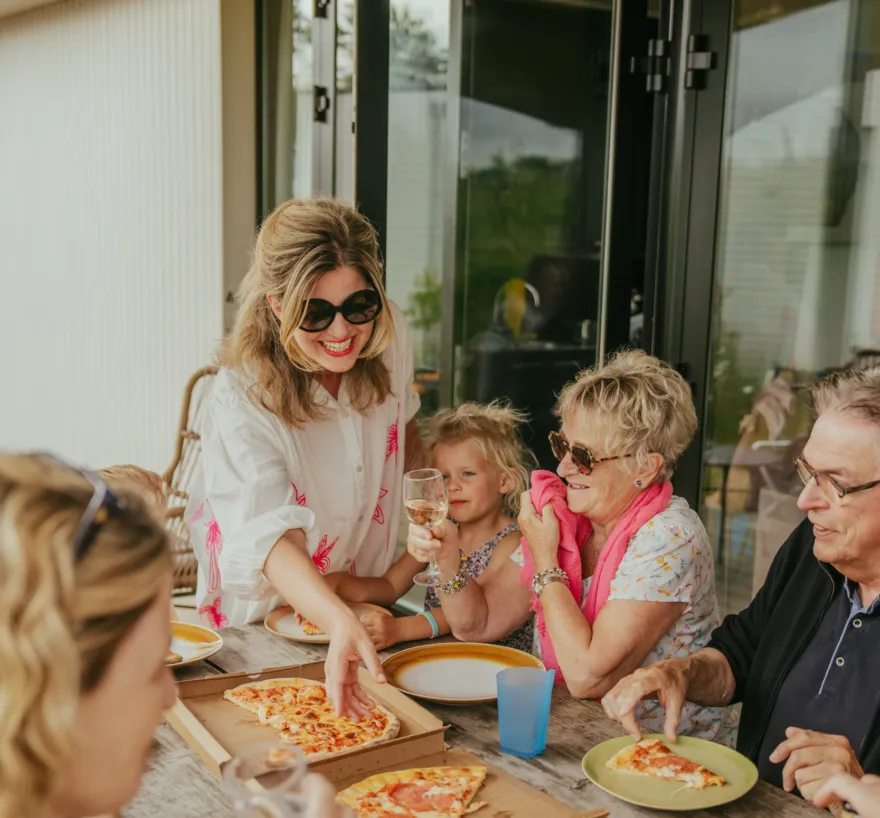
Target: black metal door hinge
654,66
321,8
700,61
322,103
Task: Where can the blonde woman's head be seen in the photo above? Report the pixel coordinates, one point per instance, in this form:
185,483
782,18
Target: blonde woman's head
479,450
83,642
306,250
639,414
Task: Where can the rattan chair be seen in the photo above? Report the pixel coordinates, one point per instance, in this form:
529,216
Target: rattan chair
179,476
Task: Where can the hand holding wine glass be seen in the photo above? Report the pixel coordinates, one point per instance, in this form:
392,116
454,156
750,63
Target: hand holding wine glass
424,495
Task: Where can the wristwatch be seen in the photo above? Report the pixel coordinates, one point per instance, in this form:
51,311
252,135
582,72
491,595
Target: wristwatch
544,578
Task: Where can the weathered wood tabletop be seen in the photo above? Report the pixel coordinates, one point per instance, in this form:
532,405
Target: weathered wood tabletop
178,786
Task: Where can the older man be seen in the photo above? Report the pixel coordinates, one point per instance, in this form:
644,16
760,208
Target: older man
804,657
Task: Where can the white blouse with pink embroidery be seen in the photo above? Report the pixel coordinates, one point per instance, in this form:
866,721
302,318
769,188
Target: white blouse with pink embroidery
339,479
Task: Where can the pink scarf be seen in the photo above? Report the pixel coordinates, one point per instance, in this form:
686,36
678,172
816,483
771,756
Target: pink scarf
574,529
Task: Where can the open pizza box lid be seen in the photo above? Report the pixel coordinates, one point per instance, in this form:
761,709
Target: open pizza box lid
218,729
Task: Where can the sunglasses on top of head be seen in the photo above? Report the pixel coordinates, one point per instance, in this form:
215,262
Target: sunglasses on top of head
359,308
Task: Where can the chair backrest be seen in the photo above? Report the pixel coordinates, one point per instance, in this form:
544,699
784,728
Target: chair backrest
179,475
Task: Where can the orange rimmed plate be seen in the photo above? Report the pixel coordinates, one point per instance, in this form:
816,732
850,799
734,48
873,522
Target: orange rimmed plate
454,672
193,643
282,622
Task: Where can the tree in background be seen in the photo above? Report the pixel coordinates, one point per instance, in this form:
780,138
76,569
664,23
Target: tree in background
418,59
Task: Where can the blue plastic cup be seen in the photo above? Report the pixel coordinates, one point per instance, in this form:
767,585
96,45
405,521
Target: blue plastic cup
524,695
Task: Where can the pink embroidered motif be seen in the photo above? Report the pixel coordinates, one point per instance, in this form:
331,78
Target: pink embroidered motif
213,545
393,444
300,498
321,557
353,570
215,616
197,514
378,515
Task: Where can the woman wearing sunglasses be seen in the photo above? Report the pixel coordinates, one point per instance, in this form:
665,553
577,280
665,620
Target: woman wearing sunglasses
303,435
617,568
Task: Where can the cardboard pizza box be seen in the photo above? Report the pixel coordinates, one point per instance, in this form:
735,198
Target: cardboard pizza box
505,796
218,729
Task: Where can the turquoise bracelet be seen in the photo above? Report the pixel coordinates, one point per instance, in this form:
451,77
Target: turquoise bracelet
435,628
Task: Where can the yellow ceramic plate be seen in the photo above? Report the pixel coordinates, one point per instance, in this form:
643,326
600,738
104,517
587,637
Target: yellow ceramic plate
193,643
283,623
453,672
739,774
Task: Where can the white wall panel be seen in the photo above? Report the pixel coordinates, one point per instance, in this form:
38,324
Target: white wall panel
111,223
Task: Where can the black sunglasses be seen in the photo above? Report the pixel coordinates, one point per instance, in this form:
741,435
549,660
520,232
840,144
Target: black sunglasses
102,503
581,456
359,308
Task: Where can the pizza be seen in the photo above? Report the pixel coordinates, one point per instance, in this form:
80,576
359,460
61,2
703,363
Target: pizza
308,628
303,714
652,757
431,792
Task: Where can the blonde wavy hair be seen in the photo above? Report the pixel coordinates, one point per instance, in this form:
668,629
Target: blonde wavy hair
61,621
300,241
495,428
642,405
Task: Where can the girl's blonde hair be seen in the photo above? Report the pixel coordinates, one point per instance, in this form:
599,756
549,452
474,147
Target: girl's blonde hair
61,620
641,403
495,428
300,241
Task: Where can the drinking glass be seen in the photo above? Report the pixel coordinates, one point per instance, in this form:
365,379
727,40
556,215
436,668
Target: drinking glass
524,695
424,495
280,768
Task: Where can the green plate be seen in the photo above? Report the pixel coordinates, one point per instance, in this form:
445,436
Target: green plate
739,774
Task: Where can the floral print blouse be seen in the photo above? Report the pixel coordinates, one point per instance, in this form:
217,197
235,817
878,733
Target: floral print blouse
670,559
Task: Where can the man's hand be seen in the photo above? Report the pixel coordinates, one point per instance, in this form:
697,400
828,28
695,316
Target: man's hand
812,758
665,680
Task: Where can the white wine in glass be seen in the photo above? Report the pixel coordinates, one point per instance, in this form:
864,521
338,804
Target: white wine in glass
424,495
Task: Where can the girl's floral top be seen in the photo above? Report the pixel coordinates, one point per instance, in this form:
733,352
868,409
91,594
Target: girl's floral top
476,563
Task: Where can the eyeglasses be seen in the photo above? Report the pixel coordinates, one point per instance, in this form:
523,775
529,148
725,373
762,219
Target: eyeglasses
359,308
581,456
100,505
806,472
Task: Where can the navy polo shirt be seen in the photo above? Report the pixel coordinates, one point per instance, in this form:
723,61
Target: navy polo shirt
834,686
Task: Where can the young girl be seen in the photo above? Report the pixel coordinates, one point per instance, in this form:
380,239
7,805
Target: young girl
486,467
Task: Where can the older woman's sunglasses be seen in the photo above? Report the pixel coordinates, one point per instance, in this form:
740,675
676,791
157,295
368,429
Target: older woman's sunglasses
359,308
581,456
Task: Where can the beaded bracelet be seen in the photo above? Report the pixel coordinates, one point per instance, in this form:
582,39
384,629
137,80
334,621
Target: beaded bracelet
454,585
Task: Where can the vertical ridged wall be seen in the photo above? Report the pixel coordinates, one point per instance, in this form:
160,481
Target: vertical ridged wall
111,223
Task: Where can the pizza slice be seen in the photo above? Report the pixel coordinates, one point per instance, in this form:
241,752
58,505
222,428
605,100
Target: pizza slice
267,698
430,792
652,757
308,628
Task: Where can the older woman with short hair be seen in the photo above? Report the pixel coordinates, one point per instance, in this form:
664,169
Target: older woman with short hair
619,570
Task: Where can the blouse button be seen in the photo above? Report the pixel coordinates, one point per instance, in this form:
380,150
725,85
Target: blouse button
360,468
839,661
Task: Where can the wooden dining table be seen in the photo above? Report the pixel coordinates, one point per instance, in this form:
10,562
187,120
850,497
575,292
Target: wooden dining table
177,784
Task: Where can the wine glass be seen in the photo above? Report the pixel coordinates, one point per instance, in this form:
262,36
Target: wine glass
280,768
424,495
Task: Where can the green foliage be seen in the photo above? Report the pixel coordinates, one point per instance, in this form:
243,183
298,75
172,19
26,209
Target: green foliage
518,210
731,391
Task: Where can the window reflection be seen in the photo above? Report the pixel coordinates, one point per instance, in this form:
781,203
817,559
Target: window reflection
797,277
